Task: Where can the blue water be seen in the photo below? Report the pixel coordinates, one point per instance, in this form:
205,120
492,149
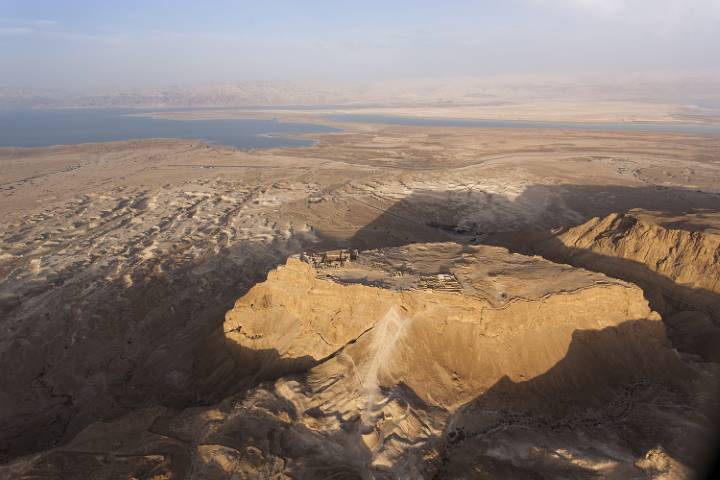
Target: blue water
39,128
664,127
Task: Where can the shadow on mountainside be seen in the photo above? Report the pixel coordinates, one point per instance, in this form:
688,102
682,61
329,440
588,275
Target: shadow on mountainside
620,388
665,296
432,215
522,225
617,391
160,340
156,342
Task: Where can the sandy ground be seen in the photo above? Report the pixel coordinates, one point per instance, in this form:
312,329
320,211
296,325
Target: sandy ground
119,260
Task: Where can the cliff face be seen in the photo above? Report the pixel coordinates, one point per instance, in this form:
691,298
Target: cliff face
447,346
685,249
675,259
406,363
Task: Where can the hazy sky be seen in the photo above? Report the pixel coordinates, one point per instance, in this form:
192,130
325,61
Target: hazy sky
133,43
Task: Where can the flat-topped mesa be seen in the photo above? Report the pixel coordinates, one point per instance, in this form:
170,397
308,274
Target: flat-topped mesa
459,319
674,258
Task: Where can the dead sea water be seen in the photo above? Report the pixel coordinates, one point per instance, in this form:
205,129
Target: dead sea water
41,128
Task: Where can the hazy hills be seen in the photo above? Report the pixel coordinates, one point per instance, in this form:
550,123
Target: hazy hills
687,90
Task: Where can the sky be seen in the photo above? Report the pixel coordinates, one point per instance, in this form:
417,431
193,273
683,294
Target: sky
81,44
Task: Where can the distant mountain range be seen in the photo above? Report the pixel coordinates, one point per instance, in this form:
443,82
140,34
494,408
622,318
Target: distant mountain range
245,94
438,91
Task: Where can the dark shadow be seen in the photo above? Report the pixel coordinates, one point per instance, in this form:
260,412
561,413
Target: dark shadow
157,342
260,439
523,225
621,385
431,215
664,295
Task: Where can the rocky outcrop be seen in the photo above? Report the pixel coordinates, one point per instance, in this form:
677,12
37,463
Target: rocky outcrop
675,259
408,362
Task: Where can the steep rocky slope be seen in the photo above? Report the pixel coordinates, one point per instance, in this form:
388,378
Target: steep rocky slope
675,259
429,360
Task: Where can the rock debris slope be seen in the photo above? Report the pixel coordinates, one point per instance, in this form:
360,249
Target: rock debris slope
423,361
